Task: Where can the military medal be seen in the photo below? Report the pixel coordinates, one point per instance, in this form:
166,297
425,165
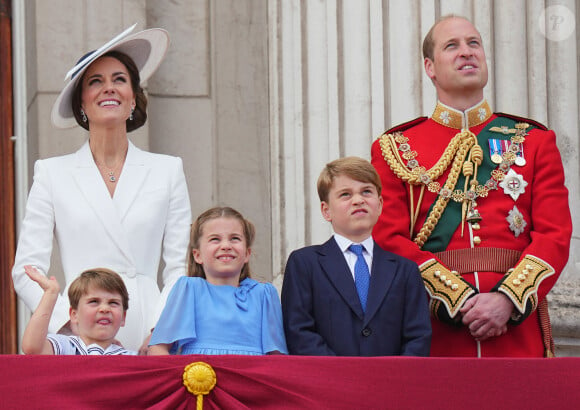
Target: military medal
520,160
513,184
500,150
516,221
518,152
514,148
495,151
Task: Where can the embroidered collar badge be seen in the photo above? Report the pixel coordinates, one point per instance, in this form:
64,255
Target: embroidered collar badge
452,118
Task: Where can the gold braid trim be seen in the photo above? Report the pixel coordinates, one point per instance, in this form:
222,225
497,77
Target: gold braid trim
521,284
444,285
457,150
413,177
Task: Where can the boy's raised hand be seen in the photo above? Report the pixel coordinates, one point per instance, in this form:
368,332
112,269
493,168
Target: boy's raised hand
47,284
34,339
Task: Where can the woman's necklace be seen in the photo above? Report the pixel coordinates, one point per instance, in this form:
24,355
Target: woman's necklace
109,173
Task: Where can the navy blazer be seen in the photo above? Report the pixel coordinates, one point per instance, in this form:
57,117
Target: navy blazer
323,315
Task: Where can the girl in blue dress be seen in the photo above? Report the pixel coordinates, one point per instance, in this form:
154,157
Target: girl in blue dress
218,308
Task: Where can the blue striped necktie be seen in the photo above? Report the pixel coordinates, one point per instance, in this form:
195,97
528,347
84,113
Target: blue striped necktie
362,276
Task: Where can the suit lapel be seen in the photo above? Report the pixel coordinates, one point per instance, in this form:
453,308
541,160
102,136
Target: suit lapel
93,188
336,269
382,276
135,172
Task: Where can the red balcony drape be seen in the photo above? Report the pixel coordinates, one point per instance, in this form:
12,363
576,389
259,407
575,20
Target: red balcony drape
289,382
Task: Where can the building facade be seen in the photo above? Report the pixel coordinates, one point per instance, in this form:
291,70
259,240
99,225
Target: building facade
257,95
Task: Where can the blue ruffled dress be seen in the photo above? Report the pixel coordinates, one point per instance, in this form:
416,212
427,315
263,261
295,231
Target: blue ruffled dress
201,318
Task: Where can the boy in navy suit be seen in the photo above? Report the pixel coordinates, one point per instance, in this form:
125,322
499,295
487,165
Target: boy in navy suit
332,303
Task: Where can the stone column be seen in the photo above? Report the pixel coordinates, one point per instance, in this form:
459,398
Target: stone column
345,62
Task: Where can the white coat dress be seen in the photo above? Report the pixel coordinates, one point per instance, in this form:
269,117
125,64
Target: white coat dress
149,216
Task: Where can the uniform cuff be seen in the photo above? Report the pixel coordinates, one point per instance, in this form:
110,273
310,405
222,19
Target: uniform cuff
446,287
521,283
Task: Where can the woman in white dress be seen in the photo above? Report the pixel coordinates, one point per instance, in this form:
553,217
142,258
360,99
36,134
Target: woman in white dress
109,204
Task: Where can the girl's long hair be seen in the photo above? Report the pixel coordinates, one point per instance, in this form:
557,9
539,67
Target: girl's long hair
195,269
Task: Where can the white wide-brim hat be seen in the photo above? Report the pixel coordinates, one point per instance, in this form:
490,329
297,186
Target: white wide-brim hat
147,48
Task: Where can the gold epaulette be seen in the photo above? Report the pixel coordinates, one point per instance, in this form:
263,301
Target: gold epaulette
521,284
446,286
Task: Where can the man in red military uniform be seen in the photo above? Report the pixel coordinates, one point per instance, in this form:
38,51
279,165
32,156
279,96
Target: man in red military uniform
478,200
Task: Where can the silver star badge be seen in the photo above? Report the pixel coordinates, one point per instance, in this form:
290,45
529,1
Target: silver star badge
516,221
513,184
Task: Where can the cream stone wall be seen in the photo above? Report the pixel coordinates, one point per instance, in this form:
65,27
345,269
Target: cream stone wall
345,71
257,95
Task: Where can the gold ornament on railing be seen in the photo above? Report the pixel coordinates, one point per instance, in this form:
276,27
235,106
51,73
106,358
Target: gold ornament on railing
199,378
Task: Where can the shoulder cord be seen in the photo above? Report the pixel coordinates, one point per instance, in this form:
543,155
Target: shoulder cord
457,150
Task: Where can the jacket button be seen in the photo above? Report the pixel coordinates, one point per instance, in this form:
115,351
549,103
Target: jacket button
366,332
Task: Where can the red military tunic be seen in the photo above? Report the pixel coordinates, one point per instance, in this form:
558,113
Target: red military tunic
516,220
